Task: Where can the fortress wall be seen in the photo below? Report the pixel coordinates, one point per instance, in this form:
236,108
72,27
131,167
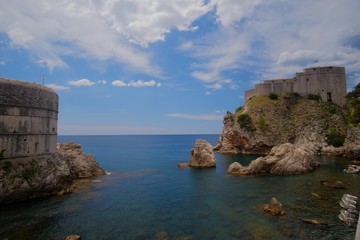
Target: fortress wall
28,119
327,82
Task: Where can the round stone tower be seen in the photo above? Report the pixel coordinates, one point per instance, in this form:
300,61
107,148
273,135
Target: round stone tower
28,119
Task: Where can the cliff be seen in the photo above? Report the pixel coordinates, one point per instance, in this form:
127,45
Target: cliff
44,175
262,123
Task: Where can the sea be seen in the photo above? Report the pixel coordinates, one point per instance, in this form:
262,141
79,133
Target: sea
145,196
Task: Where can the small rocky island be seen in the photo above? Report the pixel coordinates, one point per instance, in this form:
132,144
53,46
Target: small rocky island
202,156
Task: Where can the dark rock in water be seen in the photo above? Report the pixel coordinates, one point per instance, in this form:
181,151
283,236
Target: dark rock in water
162,236
183,165
333,184
314,222
202,155
274,208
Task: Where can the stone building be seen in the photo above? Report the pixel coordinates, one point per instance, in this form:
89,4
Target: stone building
327,82
28,119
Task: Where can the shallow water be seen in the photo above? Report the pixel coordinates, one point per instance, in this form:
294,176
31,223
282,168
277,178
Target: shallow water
146,196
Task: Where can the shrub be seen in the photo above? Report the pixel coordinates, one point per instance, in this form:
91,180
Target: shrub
262,123
273,96
239,109
295,95
314,97
244,121
335,139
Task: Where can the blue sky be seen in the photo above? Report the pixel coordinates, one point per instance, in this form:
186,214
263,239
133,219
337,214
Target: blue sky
169,66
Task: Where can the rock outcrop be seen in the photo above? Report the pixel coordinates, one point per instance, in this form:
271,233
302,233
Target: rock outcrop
284,159
81,165
202,155
274,208
264,123
52,174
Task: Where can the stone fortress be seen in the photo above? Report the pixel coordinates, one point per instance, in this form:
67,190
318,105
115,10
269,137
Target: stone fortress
28,119
327,82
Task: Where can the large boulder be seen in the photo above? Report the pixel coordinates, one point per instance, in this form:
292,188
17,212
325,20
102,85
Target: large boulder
237,169
283,159
202,155
81,165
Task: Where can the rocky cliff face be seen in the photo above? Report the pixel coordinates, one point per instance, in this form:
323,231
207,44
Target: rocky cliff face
53,174
264,123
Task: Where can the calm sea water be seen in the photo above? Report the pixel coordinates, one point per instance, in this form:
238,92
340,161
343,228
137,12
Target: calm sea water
147,197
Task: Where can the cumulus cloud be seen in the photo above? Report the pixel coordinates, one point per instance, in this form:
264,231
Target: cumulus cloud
277,39
57,87
96,30
102,81
82,82
136,84
207,117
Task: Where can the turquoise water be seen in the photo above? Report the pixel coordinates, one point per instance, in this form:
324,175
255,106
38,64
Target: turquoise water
146,195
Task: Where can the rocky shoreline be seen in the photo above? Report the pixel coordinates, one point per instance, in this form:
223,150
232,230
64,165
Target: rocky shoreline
45,175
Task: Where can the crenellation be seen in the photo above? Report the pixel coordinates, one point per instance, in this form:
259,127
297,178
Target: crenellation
327,82
28,119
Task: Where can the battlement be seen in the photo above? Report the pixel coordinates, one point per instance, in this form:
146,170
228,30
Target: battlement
28,119
327,82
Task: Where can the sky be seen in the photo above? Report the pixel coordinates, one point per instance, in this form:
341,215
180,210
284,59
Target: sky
169,66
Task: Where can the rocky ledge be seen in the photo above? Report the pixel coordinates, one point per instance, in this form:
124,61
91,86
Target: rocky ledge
45,175
202,156
284,159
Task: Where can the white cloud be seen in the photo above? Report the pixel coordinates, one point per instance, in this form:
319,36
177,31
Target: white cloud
82,82
57,87
276,38
207,117
2,63
119,83
102,81
136,84
216,86
96,30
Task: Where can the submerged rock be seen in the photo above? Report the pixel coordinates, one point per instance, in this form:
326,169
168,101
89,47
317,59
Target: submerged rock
333,184
283,159
314,222
202,155
274,208
183,165
73,237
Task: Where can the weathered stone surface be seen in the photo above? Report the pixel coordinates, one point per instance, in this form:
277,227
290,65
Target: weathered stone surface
284,159
202,155
39,176
73,237
333,184
183,165
81,165
314,222
274,208
237,169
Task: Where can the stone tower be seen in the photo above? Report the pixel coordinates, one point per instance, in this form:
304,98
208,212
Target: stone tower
28,119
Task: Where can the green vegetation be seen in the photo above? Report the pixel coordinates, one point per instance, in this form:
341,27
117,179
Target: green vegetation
30,171
295,95
331,108
314,97
354,105
273,96
335,139
262,124
244,121
239,109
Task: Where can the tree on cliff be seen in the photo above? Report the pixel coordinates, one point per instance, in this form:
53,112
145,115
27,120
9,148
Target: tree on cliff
354,105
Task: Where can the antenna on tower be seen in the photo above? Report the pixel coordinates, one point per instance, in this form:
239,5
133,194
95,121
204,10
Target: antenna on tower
42,77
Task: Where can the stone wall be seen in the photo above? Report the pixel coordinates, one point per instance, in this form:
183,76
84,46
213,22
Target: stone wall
28,119
327,82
